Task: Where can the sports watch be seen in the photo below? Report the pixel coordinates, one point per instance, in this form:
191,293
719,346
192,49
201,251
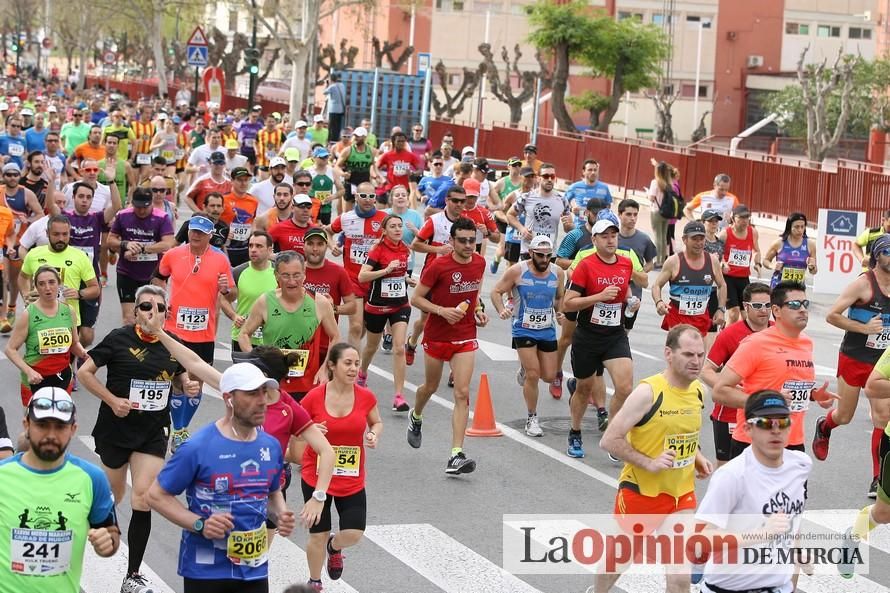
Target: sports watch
320,495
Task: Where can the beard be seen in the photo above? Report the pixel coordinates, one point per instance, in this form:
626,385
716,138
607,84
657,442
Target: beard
47,450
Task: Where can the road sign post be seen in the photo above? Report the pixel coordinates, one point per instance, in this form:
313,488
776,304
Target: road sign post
196,55
838,230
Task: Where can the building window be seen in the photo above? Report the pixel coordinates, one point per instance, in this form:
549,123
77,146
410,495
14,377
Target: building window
687,91
623,15
233,20
797,29
659,19
860,33
450,5
482,6
828,31
694,20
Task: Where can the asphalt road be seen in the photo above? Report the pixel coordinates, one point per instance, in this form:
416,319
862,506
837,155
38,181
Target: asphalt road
430,533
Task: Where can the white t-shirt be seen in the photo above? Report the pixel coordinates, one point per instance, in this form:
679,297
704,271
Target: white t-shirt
542,214
264,192
301,144
101,197
239,160
35,234
745,488
200,157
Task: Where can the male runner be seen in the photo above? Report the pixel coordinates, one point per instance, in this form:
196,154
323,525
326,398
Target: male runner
719,199
448,291
289,234
589,187
741,249
239,211
544,209
252,279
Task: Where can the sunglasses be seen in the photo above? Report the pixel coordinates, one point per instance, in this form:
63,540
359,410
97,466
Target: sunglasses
541,255
466,240
457,200
197,264
515,164
437,164
11,174
770,423
796,304
159,190
303,205
548,176
303,183
148,306
45,404
14,126
757,306
90,170
367,196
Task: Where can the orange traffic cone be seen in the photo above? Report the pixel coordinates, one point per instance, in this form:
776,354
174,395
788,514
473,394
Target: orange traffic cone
483,415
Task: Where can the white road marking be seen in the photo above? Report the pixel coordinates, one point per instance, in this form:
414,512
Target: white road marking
288,566
497,352
101,575
444,561
519,437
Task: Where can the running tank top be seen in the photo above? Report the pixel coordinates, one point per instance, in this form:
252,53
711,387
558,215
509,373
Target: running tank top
862,347
17,201
691,287
534,316
297,330
672,422
359,165
120,177
168,148
794,263
321,188
49,340
739,253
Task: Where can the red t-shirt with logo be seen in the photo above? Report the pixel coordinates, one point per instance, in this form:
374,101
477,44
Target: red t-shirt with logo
593,276
399,165
480,215
450,284
330,279
287,235
359,236
390,293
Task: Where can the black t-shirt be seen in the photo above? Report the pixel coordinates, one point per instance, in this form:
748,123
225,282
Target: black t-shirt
217,239
139,369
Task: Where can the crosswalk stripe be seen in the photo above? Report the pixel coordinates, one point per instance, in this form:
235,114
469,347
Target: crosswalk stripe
444,561
288,566
101,575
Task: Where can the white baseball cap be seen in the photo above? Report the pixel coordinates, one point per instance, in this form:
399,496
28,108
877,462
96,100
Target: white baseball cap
301,124
467,150
318,118
51,403
541,243
602,226
360,131
277,162
244,376
302,199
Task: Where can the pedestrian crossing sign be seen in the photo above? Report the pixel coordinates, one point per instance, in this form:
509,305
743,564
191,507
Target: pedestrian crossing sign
197,55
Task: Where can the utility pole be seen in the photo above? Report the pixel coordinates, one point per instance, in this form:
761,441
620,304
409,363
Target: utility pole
253,61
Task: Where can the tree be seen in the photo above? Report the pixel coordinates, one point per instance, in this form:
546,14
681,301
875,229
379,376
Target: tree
564,30
386,49
828,102
628,53
592,102
453,103
501,83
701,131
329,60
664,98
77,25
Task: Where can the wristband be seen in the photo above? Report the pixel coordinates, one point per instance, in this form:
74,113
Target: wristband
658,301
124,245
372,432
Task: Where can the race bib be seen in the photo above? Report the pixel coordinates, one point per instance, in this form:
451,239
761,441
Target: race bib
694,302
239,231
358,252
298,369
192,318
178,154
168,154
143,159
401,168
271,154
16,149
249,142
740,257
346,461
149,396
800,392
393,288
606,314
731,427
793,274
87,249
41,552
878,341
322,195
248,548
145,256
537,318
684,446
54,340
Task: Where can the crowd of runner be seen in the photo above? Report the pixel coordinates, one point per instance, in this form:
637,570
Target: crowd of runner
286,229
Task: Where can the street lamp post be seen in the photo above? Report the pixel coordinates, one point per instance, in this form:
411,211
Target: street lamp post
253,67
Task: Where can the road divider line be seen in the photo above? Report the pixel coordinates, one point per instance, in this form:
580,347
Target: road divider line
101,575
444,561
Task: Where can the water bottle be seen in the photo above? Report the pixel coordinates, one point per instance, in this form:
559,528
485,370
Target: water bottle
631,310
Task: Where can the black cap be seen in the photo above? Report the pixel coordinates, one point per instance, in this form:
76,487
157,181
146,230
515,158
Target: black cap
694,228
766,403
526,171
217,158
530,148
141,197
482,165
315,232
596,204
240,172
711,214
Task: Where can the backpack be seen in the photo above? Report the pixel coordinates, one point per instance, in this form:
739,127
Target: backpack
671,204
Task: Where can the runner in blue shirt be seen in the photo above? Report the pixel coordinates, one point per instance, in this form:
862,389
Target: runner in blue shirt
589,187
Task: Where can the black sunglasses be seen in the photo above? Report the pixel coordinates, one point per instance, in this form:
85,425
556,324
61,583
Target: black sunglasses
159,190
303,183
147,306
796,304
465,240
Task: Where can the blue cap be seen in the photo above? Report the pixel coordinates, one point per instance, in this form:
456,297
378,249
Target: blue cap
608,215
321,153
201,223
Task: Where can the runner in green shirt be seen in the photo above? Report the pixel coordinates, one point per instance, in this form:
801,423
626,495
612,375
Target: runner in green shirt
252,278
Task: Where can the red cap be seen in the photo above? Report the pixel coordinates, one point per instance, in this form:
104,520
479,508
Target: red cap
472,187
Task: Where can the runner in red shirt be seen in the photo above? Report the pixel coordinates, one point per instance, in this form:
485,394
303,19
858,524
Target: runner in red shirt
741,249
290,234
486,227
326,278
400,163
386,271
449,291
361,228
755,299
214,181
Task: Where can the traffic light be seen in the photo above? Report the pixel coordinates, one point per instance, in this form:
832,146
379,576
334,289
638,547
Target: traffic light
252,60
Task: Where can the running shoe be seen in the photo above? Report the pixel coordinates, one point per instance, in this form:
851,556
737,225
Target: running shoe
850,543
399,404
335,560
316,585
5,326
386,344
873,489
533,427
820,440
362,380
576,446
494,265
451,379
556,386
520,376
460,464
410,351
602,419
414,435
136,583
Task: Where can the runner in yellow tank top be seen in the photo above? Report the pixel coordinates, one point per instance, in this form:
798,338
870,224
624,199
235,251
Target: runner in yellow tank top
656,433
